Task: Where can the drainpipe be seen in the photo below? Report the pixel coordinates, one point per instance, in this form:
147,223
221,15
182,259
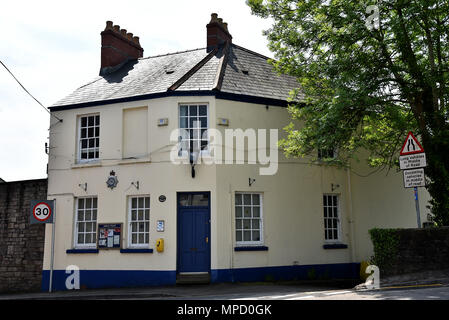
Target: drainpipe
351,216
230,228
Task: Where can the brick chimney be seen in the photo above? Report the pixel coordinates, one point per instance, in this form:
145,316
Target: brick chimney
217,32
117,48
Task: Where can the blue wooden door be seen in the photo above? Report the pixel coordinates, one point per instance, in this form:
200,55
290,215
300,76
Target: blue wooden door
194,234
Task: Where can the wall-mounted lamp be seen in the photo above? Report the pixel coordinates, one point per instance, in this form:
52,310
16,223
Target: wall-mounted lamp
83,186
135,184
193,160
251,181
334,187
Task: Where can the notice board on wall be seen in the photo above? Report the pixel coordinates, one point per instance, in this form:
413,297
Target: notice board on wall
109,235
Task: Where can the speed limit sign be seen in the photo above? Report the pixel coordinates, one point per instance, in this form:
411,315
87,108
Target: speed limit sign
42,211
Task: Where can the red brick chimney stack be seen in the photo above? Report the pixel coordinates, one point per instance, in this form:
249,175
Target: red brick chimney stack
117,48
217,32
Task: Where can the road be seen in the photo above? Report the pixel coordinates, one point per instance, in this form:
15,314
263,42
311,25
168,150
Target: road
237,292
424,292
432,292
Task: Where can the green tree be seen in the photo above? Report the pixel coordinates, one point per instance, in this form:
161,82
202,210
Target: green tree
368,73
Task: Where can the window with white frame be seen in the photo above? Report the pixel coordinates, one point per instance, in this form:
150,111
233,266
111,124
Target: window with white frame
248,218
86,222
89,137
327,153
193,118
139,221
331,217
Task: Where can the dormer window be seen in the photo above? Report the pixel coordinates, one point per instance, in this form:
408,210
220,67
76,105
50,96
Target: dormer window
89,138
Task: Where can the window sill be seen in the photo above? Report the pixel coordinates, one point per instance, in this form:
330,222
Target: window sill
71,251
251,248
134,161
136,250
86,164
184,157
335,246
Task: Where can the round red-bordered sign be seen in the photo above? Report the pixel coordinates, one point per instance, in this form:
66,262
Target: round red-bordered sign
41,211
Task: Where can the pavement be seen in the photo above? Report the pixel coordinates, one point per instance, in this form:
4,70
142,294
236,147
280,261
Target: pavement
289,290
418,279
186,292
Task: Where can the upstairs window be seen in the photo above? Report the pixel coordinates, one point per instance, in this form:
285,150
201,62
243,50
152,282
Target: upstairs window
194,120
327,154
89,138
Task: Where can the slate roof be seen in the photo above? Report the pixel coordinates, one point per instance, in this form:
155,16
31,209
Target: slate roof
230,70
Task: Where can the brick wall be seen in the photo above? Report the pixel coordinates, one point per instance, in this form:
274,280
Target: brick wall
21,244
421,250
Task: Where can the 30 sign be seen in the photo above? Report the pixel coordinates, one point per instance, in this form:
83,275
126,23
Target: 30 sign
42,211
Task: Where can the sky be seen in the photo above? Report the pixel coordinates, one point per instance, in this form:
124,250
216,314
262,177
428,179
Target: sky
53,47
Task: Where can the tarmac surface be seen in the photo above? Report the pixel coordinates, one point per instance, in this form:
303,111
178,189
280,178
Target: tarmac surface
186,292
405,287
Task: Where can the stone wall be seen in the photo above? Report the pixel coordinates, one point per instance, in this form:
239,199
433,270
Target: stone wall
421,250
21,244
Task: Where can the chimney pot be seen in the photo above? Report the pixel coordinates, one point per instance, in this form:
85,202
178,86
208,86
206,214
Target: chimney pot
108,25
123,32
117,28
136,40
129,35
214,17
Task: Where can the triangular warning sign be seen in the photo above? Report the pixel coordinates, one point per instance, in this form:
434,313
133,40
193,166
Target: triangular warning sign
411,145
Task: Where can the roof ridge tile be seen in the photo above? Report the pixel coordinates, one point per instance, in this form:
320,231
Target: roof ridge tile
171,53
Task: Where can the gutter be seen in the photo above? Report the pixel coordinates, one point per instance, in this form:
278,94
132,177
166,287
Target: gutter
217,94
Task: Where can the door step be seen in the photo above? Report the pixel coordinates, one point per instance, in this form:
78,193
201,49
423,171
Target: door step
193,278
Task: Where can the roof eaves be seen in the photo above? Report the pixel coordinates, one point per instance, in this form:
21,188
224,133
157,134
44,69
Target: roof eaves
218,95
154,95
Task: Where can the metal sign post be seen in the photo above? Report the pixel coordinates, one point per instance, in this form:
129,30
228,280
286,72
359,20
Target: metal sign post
43,211
418,213
53,228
